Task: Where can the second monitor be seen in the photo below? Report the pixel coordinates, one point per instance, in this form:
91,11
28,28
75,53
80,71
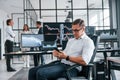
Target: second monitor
31,40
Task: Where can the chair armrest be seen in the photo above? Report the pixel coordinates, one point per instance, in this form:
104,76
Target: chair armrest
73,66
90,64
77,65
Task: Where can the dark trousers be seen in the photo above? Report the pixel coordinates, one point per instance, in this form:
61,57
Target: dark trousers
37,58
51,71
8,49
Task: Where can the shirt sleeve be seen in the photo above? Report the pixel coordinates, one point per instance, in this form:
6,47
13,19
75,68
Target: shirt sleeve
87,52
10,32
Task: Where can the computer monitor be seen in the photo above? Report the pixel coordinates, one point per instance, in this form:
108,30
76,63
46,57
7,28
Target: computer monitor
50,37
31,40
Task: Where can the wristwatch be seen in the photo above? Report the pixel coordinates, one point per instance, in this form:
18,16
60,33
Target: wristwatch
67,58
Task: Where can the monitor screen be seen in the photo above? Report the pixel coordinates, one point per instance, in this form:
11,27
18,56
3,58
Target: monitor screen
31,40
51,37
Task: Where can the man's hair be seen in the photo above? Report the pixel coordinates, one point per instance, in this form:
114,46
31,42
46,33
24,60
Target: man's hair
38,22
8,21
78,21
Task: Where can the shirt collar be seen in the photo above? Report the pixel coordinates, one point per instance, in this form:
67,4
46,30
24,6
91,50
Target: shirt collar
84,34
10,26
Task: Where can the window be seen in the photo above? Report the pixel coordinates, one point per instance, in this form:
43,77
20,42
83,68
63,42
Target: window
79,4
48,16
93,12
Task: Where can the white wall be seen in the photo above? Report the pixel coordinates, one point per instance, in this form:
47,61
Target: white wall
3,17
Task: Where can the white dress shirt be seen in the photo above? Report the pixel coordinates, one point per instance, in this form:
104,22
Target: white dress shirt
9,33
82,46
26,32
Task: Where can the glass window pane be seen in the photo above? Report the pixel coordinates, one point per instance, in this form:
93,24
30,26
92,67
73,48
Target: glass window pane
32,14
29,22
99,28
48,16
28,5
79,4
35,3
47,4
95,18
80,14
16,36
20,23
16,19
15,26
95,3
106,4
62,15
108,27
63,4
49,19
106,18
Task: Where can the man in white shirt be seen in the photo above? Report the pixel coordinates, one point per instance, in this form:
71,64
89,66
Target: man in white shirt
78,50
9,43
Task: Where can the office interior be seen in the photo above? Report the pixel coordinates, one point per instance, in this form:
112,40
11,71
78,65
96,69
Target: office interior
102,18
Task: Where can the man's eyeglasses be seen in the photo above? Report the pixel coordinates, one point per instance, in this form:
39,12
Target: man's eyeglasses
76,30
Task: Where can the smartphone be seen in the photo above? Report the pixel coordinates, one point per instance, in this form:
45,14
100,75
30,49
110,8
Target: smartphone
57,49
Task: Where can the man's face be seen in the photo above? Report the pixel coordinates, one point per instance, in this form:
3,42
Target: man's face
11,23
77,30
38,25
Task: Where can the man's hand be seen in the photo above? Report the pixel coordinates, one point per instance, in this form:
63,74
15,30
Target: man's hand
62,55
59,55
55,53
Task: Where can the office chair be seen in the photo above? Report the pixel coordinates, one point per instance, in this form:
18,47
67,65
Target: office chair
114,66
86,70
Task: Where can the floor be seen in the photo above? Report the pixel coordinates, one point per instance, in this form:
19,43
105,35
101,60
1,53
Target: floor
20,75
4,75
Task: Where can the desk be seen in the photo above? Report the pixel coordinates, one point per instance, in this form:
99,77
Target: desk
112,59
34,53
105,51
27,53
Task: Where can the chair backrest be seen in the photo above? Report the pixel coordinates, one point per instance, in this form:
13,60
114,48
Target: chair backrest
85,69
95,39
